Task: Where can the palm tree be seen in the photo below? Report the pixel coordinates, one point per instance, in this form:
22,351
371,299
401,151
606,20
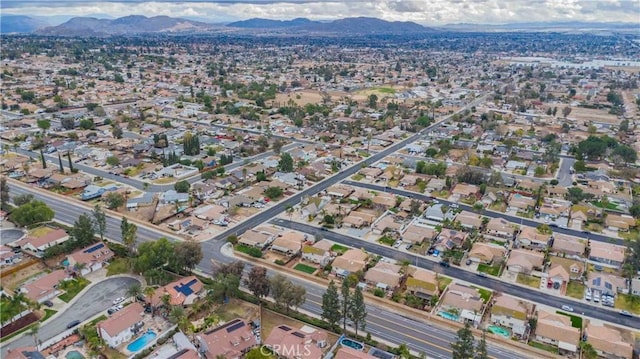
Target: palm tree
148,296
176,315
33,331
134,290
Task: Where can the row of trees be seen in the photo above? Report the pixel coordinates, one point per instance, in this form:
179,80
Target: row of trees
191,144
344,307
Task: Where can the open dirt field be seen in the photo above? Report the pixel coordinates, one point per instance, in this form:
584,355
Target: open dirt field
14,280
587,114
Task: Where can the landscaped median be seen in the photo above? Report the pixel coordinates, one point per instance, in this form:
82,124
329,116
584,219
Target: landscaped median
411,312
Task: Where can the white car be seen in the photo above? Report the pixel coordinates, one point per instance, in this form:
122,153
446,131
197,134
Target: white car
567,308
453,205
118,300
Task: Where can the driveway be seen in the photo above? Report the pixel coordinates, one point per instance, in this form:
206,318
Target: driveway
95,300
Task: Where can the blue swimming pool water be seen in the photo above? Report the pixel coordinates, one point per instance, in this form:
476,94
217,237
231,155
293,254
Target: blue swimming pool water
448,315
352,344
141,342
65,262
74,355
499,331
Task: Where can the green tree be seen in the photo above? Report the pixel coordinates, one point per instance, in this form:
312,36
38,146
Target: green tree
44,161
258,282
273,192
4,193
187,254
116,131
588,352
226,286
128,232
83,231
60,163
22,199
463,346
114,200
539,171
481,348
32,213
372,101
44,125
113,161
331,305
134,290
182,186
345,304
358,312
70,163
99,221
285,293
286,162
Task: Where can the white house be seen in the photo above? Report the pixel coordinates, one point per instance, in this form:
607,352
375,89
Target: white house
122,325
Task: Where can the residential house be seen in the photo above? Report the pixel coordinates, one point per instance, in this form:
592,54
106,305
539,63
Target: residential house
518,202
606,283
318,253
511,313
384,200
122,325
181,292
45,287
531,238
435,213
608,341
91,258
361,194
409,180
469,220
358,219
619,222
463,190
422,283
606,254
340,190
231,340
575,267
384,275
567,245
465,300
417,234
8,256
38,245
555,329
436,184
350,353
210,212
172,196
578,218
555,209
259,237
449,239
371,173
288,243
500,228
351,261
387,222
558,275
525,261
486,253
290,343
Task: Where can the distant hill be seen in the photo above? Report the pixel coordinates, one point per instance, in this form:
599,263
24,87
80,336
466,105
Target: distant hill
133,24
559,26
258,23
10,24
354,25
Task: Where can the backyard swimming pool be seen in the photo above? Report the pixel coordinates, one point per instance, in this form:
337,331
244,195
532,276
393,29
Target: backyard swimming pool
141,342
499,331
352,344
447,315
74,355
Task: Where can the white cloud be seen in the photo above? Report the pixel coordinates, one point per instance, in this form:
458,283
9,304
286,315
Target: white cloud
432,12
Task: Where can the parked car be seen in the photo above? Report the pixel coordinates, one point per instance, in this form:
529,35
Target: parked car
625,313
567,308
48,303
468,262
73,324
118,300
445,263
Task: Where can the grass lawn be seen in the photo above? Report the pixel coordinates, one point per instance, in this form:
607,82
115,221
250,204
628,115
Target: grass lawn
164,180
529,280
546,347
632,235
40,231
388,90
624,302
387,240
118,266
575,290
492,270
357,177
338,248
72,288
364,154
485,294
609,205
443,282
576,321
48,313
237,308
498,206
594,227
304,268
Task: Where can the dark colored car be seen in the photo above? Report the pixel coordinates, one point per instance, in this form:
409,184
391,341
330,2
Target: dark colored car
48,303
73,324
445,264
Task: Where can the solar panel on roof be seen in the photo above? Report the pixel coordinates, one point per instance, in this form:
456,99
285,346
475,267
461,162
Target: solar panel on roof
235,327
94,248
298,334
183,289
191,282
285,328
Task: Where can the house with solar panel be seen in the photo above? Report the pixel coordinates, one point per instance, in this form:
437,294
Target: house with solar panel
182,292
89,259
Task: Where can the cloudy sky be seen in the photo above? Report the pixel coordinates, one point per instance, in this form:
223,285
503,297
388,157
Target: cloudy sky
426,12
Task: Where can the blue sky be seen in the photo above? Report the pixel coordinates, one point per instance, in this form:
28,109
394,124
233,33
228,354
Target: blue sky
426,12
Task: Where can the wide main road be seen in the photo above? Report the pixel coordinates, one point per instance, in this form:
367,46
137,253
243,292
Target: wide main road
488,282
491,214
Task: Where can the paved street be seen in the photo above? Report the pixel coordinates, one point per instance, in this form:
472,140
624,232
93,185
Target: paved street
97,299
492,214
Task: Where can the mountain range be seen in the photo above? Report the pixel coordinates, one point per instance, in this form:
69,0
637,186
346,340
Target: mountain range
138,24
